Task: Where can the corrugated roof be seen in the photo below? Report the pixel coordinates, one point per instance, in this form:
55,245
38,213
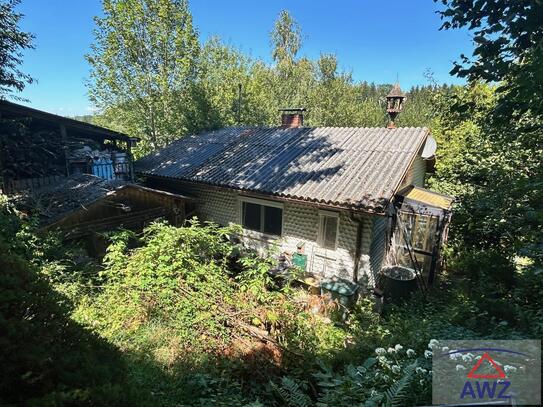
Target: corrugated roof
78,191
428,197
358,168
9,109
74,192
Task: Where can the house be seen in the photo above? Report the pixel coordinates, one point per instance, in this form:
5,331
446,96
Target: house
333,195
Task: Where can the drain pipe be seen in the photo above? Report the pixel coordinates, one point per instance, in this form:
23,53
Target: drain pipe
358,249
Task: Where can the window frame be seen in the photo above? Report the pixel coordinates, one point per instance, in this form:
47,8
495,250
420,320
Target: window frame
321,233
261,202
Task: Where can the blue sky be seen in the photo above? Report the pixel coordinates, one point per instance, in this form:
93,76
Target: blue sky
374,39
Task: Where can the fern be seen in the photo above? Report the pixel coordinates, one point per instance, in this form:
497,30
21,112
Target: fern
292,393
397,394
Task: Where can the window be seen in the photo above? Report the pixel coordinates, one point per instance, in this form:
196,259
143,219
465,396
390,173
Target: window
262,216
328,229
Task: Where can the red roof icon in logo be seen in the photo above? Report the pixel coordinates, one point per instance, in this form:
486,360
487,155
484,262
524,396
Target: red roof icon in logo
499,375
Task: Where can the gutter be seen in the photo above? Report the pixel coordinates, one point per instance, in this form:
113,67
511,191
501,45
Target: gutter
274,197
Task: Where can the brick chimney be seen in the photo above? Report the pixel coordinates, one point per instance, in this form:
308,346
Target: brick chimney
292,117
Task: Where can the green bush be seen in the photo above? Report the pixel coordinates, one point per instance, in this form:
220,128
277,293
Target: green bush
47,358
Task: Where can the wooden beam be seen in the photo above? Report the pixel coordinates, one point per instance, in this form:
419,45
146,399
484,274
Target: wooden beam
64,138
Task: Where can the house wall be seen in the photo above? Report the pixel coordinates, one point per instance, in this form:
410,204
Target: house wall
300,224
415,174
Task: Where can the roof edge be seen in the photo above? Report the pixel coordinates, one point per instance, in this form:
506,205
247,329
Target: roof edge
313,202
16,108
419,147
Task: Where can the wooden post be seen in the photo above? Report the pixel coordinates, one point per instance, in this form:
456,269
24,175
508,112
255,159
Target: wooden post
64,138
130,159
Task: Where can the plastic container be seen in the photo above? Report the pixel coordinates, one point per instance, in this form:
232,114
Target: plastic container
398,282
300,260
342,290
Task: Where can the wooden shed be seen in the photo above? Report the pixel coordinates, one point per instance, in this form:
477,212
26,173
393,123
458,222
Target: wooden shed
85,204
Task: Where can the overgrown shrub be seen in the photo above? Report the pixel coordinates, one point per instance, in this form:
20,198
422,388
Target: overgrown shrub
47,358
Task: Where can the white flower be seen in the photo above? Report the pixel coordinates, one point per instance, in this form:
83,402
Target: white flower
428,354
509,369
445,349
410,353
454,356
398,347
433,344
383,360
380,351
460,367
466,358
420,370
421,382
396,369
478,357
391,350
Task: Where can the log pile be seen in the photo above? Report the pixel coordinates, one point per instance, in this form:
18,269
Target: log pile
26,152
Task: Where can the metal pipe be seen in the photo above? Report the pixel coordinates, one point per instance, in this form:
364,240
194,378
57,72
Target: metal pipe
358,248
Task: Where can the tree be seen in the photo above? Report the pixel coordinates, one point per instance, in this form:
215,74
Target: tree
508,38
143,65
495,173
286,38
497,138
12,44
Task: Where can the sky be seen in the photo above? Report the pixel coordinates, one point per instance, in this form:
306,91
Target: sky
377,40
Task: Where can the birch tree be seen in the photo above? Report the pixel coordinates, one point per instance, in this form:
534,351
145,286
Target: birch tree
143,64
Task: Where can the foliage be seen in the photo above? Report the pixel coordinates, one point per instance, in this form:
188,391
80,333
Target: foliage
217,85
184,316
196,320
143,66
508,37
47,358
492,163
13,42
286,38
292,393
495,174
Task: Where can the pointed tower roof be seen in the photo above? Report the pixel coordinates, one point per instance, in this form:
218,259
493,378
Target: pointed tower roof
396,91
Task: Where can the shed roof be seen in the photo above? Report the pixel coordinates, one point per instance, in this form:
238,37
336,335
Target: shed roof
427,197
77,192
10,109
351,167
